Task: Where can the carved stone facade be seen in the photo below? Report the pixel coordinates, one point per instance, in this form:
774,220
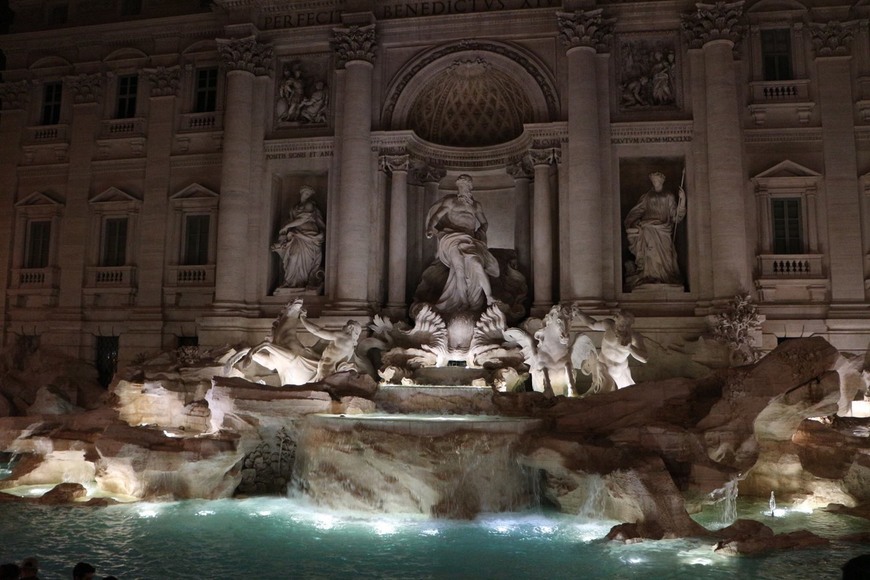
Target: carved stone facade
561,117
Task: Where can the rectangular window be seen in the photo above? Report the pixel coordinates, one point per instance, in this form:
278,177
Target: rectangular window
787,226
776,54
127,88
114,242
196,240
38,244
51,95
205,99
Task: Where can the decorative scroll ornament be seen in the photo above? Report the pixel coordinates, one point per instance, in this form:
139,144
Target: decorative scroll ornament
585,28
245,54
550,156
164,80
832,38
429,174
85,88
522,169
354,43
719,21
392,163
14,95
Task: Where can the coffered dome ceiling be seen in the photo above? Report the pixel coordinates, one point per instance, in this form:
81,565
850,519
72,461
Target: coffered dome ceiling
470,104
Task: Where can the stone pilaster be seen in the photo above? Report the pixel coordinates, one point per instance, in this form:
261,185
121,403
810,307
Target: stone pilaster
146,329
243,59
522,172
430,176
715,29
397,166
584,34
355,52
14,97
832,50
543,246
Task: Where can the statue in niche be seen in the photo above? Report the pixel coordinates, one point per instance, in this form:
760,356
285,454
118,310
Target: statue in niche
618,344
300,98
300,243
457,221
650,227
647,74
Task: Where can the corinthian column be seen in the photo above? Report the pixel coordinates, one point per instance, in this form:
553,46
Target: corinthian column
584,33
832,50
715,29
397,166
243,59
355,53
542,231
522,173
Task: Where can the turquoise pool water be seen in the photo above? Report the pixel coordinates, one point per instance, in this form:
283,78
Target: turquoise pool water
282,538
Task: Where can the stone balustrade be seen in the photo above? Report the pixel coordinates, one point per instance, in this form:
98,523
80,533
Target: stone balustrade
190,275
790,265
117,128
201,122
111,277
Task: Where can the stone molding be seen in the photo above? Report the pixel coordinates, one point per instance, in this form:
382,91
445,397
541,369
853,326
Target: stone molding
165,81
354,43
549,156
585,28
429,174
832,38
392,163
521,169
245,54
85,88
786,135
651,132
14,95
719,21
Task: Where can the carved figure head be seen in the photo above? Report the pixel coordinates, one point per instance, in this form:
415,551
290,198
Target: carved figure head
353,329
306,191
624,322
658,180
464,184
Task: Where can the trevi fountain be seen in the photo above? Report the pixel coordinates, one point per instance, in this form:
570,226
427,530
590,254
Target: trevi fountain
469,439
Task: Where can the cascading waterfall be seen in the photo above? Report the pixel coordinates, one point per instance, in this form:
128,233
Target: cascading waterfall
595,504
16,448
726,499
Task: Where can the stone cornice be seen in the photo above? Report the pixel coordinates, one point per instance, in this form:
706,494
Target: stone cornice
164,80
832,38
709,22
245,54
651,132
354,43
782,135
585,28
14,95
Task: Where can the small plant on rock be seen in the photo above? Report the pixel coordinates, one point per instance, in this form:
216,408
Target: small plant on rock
735,326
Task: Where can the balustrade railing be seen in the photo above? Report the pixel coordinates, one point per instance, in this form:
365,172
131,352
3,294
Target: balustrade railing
791,266
190,275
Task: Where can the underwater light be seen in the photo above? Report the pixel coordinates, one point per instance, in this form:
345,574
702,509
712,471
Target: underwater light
205,513
430,532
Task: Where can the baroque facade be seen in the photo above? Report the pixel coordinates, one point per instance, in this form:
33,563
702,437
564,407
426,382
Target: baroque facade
656,156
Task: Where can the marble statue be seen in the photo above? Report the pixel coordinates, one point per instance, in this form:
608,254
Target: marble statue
282,352
297,364
339,353
650,227
313,108
546,346
290,93
300,243
457,221
618,344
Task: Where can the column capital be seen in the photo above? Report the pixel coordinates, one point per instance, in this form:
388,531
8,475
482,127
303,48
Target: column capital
548,156
164,80
429,174
14,95
521,169
354,43
709,22
585,28
85,88
393,163
832,38
245,54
